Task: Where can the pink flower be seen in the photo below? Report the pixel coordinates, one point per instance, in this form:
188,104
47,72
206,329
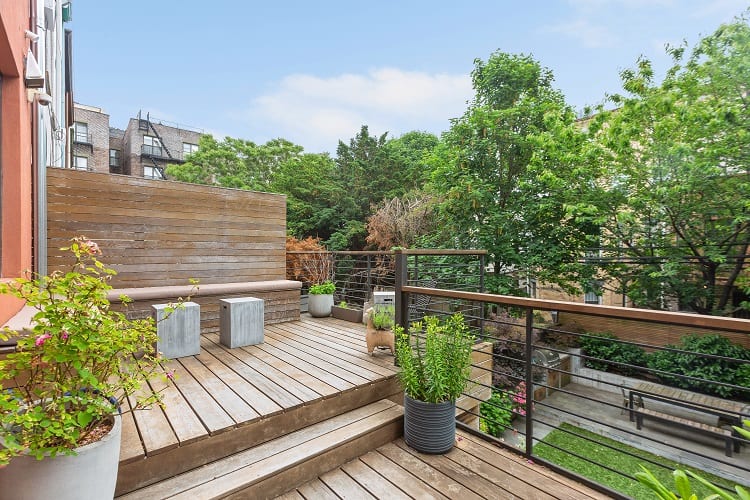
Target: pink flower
64,334
170,375
90,247
40,340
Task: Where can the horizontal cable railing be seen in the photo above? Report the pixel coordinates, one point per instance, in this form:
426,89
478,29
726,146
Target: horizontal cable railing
664,392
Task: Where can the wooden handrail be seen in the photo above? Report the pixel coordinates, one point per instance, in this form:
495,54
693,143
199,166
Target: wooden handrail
664,317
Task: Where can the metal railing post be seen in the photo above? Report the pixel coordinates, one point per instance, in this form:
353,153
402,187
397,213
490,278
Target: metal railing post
402,299
529,381
481,290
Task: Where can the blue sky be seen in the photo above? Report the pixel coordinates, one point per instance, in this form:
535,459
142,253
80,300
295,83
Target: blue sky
313,72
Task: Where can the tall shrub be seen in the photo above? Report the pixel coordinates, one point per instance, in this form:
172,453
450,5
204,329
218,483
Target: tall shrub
727,367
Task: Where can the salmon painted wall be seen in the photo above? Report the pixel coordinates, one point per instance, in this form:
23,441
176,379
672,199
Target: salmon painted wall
15,151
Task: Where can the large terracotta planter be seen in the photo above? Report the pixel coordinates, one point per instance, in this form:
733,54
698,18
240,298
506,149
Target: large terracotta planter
91,474
319,305
429,427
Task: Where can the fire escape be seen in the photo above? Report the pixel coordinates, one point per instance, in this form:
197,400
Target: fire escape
153,151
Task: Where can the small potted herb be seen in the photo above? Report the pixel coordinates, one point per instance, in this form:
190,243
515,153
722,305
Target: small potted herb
347,313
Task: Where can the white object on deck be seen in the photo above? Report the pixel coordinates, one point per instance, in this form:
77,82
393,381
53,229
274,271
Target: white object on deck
241,321
179,331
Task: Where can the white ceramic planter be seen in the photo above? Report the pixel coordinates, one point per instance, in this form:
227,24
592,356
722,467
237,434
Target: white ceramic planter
91,474
319,305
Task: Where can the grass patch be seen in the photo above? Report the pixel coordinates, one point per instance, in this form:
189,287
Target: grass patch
617,460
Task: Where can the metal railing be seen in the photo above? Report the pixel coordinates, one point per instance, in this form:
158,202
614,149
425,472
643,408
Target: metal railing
157,151
357,274
542,385
82,138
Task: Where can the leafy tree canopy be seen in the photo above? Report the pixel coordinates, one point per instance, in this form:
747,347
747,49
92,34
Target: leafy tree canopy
501,169
674,190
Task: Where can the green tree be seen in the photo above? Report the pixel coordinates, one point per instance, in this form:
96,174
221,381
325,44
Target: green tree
308,181
503,170
371,169
234,163
674,190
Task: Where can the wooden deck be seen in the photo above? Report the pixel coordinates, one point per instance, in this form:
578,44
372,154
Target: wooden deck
253,422
227,400
474,469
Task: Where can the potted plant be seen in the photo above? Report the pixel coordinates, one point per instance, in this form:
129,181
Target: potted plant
66,382
343,311
320,301
435,364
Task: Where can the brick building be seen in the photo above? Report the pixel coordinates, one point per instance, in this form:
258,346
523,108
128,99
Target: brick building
143,149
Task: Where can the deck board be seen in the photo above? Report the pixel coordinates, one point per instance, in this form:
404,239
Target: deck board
336,362
338,349
223,389
396,471
213,416
249,368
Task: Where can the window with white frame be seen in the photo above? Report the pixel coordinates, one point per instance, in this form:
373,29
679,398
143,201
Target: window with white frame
80,163
188,148
81,132
152,173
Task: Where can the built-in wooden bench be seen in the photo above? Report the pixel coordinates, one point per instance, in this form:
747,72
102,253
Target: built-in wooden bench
281,299
725,434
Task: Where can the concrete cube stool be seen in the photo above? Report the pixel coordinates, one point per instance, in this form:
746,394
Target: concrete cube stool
179,331
241,321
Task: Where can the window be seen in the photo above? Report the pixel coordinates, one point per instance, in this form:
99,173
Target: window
151,145
593,296
114,157
152,173
80,163
529,285
188,148
81,132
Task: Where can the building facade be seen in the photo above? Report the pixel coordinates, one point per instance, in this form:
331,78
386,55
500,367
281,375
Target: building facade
35,109
143,149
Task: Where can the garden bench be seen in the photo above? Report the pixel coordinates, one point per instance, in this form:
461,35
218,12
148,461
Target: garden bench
725,434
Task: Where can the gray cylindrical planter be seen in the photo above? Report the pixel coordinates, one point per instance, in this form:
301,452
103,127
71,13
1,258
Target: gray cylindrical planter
429,427
319,305
92,473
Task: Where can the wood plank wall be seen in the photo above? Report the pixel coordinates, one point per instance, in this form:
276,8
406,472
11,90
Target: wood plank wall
161,233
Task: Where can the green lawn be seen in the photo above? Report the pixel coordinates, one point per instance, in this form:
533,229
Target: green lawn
616,460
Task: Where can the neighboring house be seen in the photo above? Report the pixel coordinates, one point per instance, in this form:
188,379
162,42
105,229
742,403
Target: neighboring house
35,111
143,149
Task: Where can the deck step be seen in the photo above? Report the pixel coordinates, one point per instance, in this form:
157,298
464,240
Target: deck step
274,467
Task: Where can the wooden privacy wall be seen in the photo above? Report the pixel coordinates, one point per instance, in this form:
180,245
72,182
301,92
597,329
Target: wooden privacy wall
162,233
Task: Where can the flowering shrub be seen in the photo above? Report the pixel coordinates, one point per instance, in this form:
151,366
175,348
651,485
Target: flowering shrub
498,412
80,361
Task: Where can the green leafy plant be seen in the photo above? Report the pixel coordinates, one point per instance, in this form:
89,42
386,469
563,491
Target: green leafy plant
718,367
500,409
610,354
79,362
326,288
383,317
435,359
343,305
684,488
